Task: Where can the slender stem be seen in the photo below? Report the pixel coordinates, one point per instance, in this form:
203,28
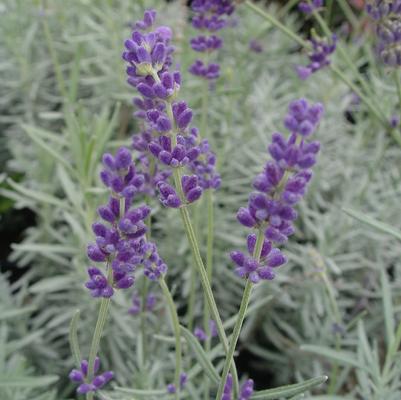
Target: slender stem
209,256
205,102
240,318
205,283
101,321
145,281
277,24
144,296
392,351
194,243
191,299
398,85
350,15
338,319
176,328
363,97
328,10
209,270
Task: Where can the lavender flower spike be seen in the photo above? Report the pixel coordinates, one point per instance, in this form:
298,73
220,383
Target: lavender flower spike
81,376
322,48
120,242
209,16
279,187
387,15
168,140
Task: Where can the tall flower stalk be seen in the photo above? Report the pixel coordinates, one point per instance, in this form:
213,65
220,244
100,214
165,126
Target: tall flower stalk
121,246
209,16
270,211
168,138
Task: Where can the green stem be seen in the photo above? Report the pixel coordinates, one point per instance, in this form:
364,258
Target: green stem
145,281
191,299
276,23
337,316
364,98
391,352
349,14
398,85
328,10
176,328
142,317
240,318
101,321
209,270
209,255
193,242
204,279
205,103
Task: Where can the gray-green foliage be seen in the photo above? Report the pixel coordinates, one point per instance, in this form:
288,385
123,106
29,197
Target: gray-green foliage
56,130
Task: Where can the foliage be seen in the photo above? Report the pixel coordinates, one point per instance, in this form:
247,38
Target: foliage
65,102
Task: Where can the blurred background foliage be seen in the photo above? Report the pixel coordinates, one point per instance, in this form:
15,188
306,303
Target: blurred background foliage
64,101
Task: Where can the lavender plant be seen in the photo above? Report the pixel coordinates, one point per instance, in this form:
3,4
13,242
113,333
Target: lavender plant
333,263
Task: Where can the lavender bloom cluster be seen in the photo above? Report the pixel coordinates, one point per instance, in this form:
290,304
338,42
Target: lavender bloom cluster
81,376
209,17
387,15
279,188
308,7
321,49
149,58
246,389
120,238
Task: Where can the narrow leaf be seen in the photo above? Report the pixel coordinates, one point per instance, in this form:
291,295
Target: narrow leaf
73,338
200,355
381,226
26,382
6,314
344,357
49,149
35,195
387,307
289,390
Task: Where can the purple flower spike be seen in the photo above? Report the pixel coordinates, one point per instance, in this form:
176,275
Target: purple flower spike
387,16
322,48
279,187
98,381
167,138
120,240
